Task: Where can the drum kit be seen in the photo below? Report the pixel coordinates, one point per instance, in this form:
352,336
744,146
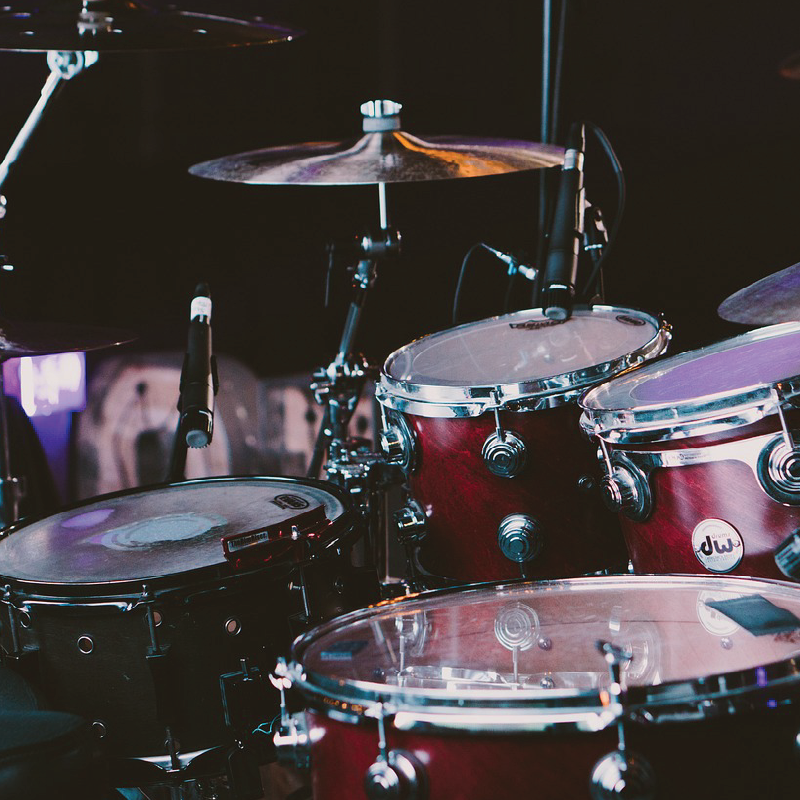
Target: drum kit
597,538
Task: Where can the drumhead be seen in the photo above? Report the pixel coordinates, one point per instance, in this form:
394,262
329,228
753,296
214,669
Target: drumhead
151,533
516,357
714,388
500,654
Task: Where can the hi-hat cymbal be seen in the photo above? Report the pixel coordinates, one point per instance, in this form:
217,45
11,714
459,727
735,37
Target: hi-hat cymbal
384,154
42,338
125,25
768,301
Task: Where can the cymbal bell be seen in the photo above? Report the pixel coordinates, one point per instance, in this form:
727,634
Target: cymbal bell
384,154
768,301
125,25
24,338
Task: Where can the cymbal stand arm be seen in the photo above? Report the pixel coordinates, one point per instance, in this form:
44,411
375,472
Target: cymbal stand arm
63,66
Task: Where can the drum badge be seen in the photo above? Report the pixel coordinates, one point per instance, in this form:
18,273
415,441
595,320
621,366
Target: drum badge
717,545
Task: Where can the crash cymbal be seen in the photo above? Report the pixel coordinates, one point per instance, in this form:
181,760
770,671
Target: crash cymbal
125,25
41,338
384,154
768,301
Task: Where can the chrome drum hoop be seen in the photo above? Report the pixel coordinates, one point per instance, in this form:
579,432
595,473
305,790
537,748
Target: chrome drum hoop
428,400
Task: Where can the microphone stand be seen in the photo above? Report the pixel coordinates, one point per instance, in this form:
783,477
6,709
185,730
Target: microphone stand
63,66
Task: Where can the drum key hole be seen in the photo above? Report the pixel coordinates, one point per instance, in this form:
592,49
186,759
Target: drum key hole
24,619
99,729
85,644
158,618
232,626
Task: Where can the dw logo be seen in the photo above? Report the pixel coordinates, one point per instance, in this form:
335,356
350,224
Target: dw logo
717,545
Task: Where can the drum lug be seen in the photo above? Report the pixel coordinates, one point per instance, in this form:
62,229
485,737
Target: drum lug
620,774
520,538
292,740
504,452
395,774
778,468
397,441
624,487
411,522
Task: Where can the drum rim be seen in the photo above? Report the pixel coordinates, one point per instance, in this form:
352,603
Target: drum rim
533,710
27,589
707,414
437,400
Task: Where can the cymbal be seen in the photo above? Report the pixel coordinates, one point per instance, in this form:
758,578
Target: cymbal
384,154
768,301
19,338
125,25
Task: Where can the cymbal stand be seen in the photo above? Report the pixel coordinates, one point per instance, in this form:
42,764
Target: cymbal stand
63,66
338,387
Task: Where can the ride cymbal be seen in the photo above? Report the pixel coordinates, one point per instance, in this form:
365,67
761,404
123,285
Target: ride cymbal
384,154
42,338
126,25
768,301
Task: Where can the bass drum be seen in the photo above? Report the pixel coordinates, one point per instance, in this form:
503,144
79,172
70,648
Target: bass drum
147,611
484,420
502,691
701,454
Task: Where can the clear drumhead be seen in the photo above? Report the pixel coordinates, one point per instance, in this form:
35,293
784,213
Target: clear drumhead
517,356
721,386
155,532
534,645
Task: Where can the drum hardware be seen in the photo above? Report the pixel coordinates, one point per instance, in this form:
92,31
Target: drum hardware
291,737
520,538
397,440
504,452
621,773
516,627
624,486
787,556
395,774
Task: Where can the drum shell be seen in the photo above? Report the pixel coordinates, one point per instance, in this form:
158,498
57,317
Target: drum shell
465,503
683,496
114,684
693,760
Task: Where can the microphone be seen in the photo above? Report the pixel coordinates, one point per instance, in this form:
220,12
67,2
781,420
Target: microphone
199,382
515,265
787,556
561,266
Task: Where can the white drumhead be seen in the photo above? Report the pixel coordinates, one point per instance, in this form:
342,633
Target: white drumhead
687,391
519,355
156,532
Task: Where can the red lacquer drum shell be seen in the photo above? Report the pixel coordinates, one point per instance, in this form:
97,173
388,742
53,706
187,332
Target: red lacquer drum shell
491,692
701,456
483,419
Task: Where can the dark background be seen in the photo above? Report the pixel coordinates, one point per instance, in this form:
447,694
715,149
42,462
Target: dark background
106,227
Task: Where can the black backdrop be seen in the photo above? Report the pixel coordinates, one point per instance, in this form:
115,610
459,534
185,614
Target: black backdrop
106,227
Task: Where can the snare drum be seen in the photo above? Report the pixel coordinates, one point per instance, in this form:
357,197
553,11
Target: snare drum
700,454
130,609
484,421
501,691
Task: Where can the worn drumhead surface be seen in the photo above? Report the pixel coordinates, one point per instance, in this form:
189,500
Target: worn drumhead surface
762,357
420,650
156,532
520,347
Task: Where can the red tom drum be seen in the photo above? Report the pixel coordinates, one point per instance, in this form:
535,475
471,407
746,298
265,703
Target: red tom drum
484,421
499,691
701,454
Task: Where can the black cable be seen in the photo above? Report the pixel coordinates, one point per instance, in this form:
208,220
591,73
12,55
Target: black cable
464,263
621,192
